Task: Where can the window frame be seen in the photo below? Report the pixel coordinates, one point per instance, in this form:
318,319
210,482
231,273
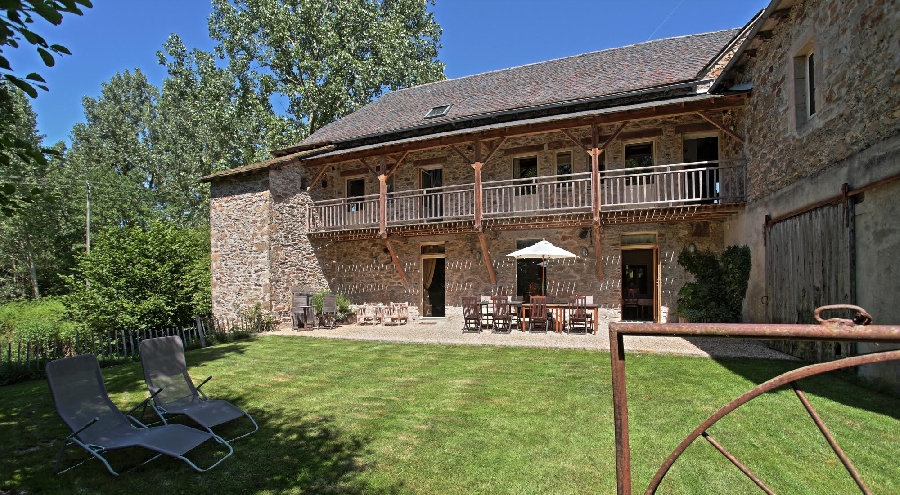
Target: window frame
639,181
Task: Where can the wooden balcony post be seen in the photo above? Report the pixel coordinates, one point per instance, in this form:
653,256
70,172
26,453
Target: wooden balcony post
486,255
382,206
595,172
477,166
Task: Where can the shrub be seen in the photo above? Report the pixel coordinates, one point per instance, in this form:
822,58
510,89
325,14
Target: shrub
717,294
42,319
343,305
142,278
256,320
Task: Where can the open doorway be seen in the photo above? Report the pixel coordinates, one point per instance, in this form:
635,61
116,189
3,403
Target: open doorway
433,281
638,284
528,273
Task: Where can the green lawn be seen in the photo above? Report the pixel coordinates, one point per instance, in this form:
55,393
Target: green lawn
363,417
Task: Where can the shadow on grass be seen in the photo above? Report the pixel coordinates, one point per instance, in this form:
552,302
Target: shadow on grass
840,386
288,454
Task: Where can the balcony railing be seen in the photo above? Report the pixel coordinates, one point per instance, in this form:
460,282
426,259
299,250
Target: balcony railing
710,182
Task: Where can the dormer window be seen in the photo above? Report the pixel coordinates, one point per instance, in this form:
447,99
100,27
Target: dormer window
437,111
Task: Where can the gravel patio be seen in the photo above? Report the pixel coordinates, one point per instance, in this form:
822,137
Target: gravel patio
449,331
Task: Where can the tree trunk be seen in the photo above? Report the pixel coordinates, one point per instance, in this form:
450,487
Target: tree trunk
31,268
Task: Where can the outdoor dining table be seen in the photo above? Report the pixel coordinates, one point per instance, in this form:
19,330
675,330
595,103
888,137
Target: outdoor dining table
558,310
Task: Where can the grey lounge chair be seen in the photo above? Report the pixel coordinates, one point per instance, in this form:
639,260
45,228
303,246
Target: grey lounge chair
98,426
173,391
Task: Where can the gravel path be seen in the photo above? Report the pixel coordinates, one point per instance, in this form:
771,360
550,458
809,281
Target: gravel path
449,331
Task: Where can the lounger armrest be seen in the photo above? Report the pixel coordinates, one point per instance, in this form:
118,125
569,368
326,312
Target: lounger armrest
79,430
202,384
143,405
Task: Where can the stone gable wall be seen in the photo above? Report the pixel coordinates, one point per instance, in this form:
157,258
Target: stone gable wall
857,45
240,227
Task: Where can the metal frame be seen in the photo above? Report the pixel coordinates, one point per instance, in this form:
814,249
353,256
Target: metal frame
834,329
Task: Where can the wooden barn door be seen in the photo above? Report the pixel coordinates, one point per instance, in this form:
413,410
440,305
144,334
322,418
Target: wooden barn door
810,263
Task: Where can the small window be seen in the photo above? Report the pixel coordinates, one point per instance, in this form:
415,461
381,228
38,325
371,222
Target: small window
525,168
639,156
564,165
432,249
638,239
805,86
437,111
355,188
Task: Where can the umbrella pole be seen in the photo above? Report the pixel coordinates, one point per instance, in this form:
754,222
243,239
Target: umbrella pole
543,273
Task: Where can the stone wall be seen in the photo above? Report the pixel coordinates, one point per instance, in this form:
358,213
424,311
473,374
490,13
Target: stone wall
296,263
857,49
365,272
240,227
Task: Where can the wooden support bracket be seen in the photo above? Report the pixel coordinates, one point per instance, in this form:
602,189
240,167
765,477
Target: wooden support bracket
387,242
720,126
486,255
318,176
393,169
598,251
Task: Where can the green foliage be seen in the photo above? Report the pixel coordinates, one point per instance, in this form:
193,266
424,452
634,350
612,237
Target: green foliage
42,319
142,278
717,294
256,320
17,28
343,305
329,57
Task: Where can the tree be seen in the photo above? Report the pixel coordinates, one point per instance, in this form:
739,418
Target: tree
138,277
16,27
209,118
330,57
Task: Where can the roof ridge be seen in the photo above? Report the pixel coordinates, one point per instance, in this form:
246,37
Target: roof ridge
505,69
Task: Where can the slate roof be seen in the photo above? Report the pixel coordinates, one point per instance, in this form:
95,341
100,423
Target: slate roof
631,68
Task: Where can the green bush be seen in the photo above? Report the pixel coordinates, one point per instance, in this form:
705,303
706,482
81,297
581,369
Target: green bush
343,305
717,294
42,319
137,277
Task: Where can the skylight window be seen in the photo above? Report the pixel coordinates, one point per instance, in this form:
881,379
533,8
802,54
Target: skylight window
437,111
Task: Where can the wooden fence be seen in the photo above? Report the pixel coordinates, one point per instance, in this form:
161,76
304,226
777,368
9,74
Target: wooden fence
25,359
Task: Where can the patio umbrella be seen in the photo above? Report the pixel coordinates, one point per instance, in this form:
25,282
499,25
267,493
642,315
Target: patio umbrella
544,250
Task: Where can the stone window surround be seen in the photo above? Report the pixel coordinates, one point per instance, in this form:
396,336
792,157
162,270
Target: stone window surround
513,164
571,163
654,142
801,123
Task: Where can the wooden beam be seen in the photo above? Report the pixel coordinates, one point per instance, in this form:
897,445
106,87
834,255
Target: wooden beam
698,127
460,153
598,251
318,176
720,126
614,136
397,264
371,169
526,129
477,166
393,169
355,171
579,142
382,206
486,255
493,149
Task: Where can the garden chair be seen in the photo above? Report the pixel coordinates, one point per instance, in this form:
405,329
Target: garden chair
173,391
630,300
579,318
539,318
471,314
329,310
302,313
403,313
98,426
502,318
389,315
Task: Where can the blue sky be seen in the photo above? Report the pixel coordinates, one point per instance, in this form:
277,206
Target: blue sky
478,36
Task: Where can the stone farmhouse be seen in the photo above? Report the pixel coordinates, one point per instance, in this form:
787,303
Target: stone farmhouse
781,134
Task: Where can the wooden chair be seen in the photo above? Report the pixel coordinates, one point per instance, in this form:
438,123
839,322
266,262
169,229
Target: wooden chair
630,301
539,318
403,313
579,318
471,314
389,315
502,318
302,313
329,310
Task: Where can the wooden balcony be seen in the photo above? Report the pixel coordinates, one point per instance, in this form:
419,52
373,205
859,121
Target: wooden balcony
655,192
